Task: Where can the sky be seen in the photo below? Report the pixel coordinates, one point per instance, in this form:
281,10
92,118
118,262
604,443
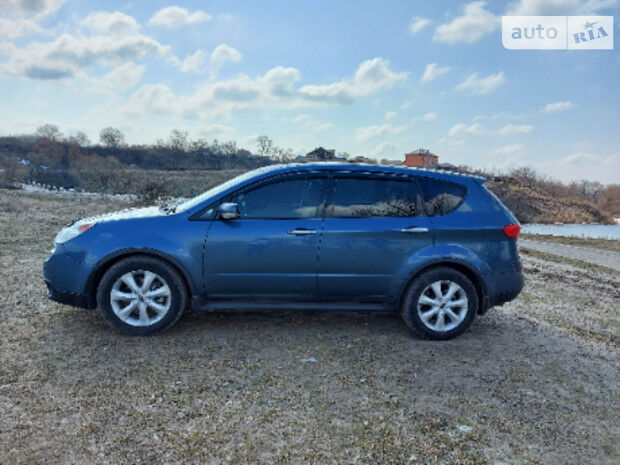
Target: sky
377,79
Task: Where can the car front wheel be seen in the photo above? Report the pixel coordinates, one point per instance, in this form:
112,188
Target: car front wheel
440,304
141,295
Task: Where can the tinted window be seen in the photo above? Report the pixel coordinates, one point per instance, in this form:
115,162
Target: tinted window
440,198
358,198
298,198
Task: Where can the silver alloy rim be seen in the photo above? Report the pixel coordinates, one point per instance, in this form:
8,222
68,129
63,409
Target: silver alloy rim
442,306
140,298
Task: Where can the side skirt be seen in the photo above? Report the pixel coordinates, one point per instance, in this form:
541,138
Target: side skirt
232,305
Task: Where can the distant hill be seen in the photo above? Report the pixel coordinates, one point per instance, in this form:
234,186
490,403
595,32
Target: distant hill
530,205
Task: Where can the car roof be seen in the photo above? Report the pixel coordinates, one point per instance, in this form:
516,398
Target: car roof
366,168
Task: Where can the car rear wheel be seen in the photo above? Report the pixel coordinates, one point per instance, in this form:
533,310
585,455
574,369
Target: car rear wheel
440,304
141,295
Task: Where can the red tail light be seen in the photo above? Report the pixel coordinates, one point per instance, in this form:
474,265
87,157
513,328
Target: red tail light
512,230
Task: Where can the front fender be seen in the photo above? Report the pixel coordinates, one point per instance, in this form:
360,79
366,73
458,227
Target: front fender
180,243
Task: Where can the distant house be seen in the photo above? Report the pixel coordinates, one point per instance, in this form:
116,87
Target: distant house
321,154
362,159
390,162
421,158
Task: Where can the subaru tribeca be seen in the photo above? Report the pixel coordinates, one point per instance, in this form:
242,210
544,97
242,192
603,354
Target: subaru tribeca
437,247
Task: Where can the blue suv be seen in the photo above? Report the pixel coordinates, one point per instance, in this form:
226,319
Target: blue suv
437,247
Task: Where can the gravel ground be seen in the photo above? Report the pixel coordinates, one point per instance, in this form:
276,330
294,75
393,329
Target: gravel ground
533,382
598,257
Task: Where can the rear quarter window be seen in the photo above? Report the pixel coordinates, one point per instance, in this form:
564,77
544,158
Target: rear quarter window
441,197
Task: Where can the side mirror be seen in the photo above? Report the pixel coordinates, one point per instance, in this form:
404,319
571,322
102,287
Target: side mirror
228,211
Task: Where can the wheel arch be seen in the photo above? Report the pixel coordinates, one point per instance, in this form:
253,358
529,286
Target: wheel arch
108,261
459,265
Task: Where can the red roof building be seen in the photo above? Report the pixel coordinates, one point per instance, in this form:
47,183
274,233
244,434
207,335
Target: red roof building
421,158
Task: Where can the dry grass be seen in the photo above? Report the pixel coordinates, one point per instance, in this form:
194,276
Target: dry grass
533,382
550,257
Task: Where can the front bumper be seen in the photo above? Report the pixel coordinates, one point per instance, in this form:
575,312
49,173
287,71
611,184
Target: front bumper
66,298
66,279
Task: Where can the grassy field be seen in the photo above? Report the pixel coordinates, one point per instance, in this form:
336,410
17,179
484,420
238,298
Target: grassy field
533,382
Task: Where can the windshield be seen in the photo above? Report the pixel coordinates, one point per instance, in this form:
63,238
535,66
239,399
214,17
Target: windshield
184,206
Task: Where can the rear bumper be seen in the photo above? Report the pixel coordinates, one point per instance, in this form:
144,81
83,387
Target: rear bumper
67,298
504,287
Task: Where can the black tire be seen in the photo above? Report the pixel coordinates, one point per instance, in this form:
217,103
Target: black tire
409,309
178,294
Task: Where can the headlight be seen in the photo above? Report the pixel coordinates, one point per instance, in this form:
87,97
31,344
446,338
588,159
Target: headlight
72,232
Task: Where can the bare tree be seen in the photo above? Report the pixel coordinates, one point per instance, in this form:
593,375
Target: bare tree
282,155
49,131
80,139
112,137
264,146
178,140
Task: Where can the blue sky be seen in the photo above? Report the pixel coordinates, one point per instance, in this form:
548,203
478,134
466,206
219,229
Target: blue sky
369,78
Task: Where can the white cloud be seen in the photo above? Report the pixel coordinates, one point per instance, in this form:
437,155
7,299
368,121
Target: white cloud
475,129
121,78
417,24
219,130
221,54
482,85
371,76
604,168
194,62
405,105
558,7
301,118
310,123
108,39
12,29
451,142
370,132
277,88
511,129
174,17
474,23
557,106
152,98
385,149
509,149
433,71
425,117
104,22
225,54
478,129
390,114
30,8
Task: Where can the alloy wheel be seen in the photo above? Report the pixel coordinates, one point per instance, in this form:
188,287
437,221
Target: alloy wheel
140,298
442,305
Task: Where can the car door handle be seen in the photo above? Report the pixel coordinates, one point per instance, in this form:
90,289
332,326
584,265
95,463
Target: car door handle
302,232
414,230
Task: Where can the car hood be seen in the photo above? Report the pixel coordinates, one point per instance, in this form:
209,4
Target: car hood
129,213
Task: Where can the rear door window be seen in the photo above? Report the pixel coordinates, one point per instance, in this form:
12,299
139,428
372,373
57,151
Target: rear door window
358,197
440,197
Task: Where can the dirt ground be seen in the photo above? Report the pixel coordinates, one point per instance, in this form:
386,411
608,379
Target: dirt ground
533,382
